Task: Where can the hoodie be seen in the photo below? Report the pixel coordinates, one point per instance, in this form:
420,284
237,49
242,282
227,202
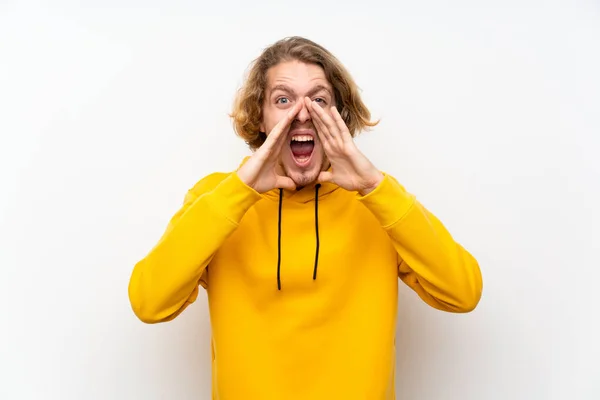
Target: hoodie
302,285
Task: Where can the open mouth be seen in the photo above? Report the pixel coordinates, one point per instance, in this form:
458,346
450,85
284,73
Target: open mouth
302,147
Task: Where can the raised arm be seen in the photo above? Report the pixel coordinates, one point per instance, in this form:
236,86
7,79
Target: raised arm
430,261
166,280
440,270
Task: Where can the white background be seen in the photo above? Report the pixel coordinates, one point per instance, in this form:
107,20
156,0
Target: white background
111,110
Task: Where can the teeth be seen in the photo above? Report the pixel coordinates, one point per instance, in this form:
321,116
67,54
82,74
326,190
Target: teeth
302,138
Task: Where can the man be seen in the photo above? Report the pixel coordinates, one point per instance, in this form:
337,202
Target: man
300,249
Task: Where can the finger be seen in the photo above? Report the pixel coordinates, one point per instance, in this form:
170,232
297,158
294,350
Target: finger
325,176
323,134
315,117
329,123
283,126
275,138
325,118
322,130
343,128
285,182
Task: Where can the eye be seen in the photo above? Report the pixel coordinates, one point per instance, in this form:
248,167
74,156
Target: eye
320,100
282,100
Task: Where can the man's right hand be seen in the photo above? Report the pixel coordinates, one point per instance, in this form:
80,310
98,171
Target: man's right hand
260,171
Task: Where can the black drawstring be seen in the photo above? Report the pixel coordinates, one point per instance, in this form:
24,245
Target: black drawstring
279,235
316,228
279,241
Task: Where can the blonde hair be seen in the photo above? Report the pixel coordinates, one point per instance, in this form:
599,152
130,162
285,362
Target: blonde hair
247,108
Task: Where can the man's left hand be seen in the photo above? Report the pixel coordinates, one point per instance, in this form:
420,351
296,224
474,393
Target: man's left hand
350,169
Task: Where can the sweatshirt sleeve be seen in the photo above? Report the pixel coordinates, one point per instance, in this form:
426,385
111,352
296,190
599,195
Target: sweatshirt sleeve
431,262
166,280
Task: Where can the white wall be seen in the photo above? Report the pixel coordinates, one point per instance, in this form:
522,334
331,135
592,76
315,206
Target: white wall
110,112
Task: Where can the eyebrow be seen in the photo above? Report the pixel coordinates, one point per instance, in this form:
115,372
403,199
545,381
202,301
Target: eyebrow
289,90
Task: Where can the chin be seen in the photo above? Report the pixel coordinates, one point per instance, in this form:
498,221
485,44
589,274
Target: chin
303,173
303,178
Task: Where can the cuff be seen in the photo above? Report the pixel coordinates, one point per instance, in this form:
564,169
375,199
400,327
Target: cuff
232,198
389,201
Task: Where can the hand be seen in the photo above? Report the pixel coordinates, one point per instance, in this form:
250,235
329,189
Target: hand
350,169
260,171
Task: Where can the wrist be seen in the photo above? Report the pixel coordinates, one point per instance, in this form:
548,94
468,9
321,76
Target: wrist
243,175
371,184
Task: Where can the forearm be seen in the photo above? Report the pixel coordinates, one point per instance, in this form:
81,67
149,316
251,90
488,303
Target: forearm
166,280
431,262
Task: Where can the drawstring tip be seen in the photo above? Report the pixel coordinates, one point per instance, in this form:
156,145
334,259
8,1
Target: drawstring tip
279,240
316,231
317,186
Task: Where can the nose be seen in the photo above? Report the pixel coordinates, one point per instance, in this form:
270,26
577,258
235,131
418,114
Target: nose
303,115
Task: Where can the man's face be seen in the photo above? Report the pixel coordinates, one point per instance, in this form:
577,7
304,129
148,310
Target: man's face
303,157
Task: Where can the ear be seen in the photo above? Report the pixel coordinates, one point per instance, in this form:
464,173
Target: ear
261,127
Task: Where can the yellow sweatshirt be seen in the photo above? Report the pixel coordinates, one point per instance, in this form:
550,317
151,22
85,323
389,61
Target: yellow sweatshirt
302,288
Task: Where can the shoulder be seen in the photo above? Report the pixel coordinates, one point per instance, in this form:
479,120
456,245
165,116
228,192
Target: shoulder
211,181
206,184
